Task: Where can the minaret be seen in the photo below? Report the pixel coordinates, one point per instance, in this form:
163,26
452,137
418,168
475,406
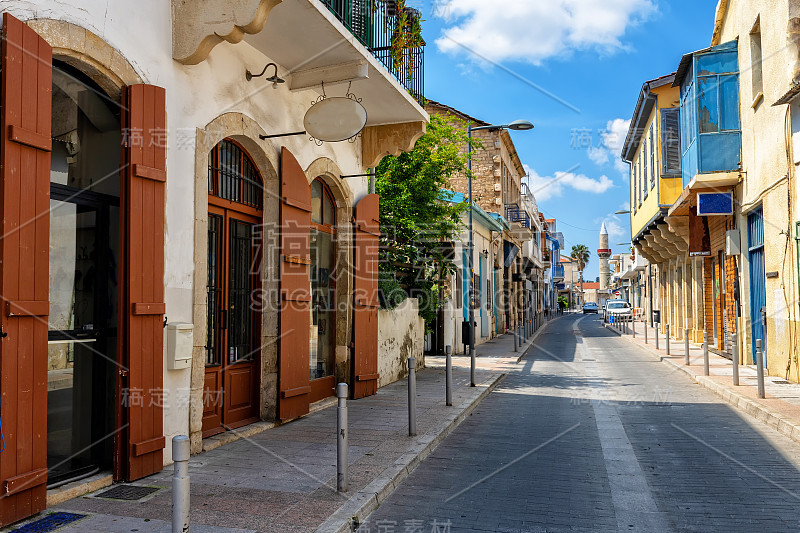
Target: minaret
604,252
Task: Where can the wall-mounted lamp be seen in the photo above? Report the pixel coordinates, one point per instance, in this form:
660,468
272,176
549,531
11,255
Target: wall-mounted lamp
275,79
486,253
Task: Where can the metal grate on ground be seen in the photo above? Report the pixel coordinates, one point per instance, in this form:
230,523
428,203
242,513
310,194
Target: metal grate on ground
127,492
50,522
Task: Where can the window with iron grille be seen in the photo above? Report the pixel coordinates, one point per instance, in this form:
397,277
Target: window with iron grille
233,176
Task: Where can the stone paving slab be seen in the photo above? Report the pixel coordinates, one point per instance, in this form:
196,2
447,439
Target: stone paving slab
284,479
781,407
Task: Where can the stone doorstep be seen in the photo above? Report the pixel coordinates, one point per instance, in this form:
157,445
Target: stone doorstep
79,488
763,413
361,504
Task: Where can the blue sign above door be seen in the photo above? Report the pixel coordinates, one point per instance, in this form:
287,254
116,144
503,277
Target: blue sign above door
714,203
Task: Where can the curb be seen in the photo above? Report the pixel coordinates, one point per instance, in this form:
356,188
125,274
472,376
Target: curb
532,340
358,508
755,409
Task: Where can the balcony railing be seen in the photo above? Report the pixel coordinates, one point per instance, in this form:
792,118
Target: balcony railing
514,213
558,272
374,23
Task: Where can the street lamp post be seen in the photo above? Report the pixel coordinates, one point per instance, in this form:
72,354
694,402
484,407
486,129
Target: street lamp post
519,125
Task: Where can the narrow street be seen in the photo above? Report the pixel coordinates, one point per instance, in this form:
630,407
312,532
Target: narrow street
593,434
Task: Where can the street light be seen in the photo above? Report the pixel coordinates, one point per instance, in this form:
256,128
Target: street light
517,125
623,212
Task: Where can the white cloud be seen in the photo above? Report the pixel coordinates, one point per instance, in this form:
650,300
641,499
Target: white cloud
615,230
617,227
535,30
598,155
611,140
546,187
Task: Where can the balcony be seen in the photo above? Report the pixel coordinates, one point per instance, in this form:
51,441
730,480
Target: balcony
558,273
711,142
514,213
375,24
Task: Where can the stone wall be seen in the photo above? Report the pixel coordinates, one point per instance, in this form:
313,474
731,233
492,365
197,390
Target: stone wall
401,334
496,153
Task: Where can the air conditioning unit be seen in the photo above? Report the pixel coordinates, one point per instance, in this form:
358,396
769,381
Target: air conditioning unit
733,243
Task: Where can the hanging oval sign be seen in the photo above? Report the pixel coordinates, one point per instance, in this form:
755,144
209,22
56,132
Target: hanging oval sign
335,119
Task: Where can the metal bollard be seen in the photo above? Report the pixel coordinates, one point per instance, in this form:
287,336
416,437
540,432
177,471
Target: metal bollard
686,345
666,339
645,331
412,396
180,484
341,438
735,359
519,333
705,354
760,369
656,337
448,376
633,327
515,340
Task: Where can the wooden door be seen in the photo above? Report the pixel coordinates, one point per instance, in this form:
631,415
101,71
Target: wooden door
24,263
365,297
295,302
230,395
142,272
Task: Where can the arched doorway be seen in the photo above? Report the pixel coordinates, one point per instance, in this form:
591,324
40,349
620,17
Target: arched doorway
235,210
322,346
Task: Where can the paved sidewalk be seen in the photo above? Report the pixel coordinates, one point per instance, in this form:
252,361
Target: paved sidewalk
284,479
781,407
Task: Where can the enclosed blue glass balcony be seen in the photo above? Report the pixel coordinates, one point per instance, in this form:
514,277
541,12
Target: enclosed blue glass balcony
711,138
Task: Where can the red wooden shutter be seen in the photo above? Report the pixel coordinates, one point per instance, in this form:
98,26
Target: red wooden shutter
365,297
143,199
295,310
24,261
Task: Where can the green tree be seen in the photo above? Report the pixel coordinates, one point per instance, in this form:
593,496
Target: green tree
417,223
580,253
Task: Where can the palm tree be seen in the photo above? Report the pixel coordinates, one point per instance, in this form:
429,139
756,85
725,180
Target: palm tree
580,253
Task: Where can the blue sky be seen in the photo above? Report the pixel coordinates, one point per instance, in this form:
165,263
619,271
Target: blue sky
572,67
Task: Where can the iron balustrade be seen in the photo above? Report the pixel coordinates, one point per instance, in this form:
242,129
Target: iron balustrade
374,23
514,213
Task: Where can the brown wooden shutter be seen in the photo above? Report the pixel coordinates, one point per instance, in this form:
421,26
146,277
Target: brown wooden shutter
144,128
365,297
295,305
24,261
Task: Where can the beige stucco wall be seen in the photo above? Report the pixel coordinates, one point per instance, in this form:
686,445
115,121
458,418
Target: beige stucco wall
764,160
123,43
401,334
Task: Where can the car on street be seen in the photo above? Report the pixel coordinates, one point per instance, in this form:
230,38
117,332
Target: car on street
590,307
619,309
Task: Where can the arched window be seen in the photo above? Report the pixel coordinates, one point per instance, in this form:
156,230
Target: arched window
322,203
232,175
323,285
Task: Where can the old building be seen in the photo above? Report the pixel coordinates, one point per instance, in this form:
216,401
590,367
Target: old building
176,258
498,190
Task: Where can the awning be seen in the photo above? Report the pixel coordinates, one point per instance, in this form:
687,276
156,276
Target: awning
510,251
